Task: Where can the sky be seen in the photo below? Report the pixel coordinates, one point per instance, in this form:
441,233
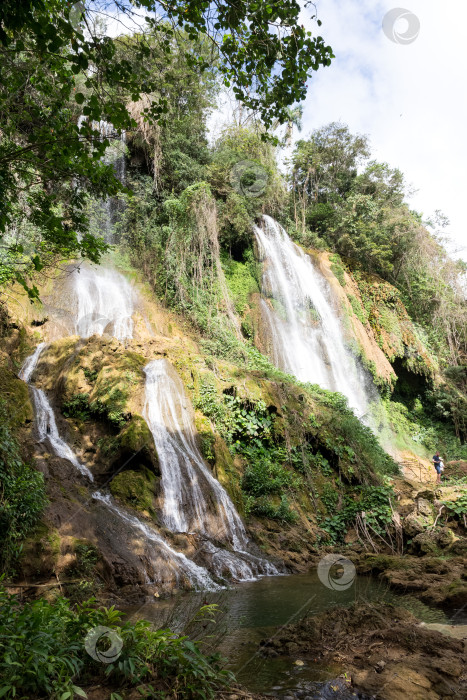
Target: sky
410,99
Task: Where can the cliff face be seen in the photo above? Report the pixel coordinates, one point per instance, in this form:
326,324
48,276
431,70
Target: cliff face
291,457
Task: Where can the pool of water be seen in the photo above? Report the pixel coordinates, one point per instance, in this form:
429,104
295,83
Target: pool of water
251,611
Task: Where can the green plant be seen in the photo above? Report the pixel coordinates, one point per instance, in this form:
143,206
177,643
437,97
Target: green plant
80,407
264,508
337,268
42,653
374,501
90,374
22,496
458,508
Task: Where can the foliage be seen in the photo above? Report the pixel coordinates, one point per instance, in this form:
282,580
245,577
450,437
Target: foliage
458,507
373,501
414,425
42,653
242,279
22,496
57,61
243,147
80,407
241,423
266,473
337,269
264,508
352,445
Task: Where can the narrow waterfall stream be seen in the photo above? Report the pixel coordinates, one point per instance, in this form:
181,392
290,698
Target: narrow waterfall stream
185,477
45,417
193,501
304,329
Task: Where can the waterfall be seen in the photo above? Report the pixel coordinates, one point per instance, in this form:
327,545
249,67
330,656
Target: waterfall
45,418
104,303
186,480
108,210
193,500
30,364
304,329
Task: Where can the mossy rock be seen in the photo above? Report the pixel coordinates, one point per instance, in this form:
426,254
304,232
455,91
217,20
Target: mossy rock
40,554
137,438
16,396
136,489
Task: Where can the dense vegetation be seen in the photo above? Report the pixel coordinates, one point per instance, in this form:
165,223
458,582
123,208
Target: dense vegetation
22,495
42,654
58,62
185,214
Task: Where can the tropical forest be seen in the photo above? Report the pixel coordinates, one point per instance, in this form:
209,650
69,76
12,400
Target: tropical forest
233,369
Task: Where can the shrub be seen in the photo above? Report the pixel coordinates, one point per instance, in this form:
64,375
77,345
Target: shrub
42,654
22,496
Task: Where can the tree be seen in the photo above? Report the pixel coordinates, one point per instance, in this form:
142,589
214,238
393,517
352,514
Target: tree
323,170
56,63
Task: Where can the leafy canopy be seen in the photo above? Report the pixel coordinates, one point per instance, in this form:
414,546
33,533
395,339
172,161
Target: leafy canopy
57,63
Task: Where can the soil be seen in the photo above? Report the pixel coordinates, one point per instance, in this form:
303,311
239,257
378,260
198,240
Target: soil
382,651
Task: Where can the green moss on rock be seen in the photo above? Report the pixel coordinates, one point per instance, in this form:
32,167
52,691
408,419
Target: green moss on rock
136,437
136,489
16,396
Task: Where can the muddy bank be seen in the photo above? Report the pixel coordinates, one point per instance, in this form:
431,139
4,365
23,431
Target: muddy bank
381,650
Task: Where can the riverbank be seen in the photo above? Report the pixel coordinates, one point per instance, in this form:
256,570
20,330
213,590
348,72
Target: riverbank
381,651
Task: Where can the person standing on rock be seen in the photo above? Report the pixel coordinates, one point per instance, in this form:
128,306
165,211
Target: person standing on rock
437,464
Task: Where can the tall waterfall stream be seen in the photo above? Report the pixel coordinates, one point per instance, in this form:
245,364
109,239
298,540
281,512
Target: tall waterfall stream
305,333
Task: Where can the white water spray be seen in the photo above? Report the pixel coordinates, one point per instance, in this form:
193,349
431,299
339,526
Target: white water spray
305,331
105,303
194,501
186,480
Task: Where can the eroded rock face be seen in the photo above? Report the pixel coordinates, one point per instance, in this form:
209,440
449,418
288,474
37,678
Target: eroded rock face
432,541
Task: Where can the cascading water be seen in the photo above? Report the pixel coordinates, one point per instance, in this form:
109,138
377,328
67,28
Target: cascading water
186,480
104,303
193,500
45,418
305,331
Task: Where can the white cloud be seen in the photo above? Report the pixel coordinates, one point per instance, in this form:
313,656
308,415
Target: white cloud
409,99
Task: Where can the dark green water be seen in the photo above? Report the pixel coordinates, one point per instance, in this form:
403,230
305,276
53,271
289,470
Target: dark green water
249,612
